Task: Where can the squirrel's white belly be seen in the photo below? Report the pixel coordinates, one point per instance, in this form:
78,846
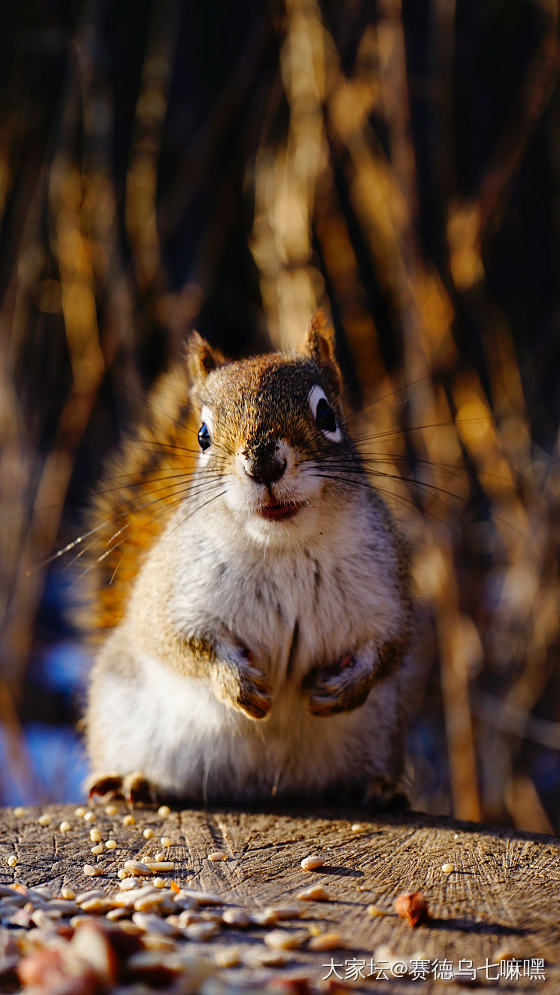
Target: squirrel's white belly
194,746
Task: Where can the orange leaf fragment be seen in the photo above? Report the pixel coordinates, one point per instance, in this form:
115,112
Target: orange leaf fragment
413,907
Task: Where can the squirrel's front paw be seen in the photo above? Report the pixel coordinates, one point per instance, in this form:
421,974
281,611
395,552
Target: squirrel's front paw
342,686
243,685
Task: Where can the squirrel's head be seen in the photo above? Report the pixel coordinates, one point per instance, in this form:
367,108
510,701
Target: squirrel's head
272,437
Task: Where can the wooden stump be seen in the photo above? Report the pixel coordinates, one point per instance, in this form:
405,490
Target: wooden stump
500,902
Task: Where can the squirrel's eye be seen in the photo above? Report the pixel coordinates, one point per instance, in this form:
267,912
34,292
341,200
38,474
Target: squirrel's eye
325,418
204,439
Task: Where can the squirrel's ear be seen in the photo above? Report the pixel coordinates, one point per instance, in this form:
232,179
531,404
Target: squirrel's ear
201,358
319,346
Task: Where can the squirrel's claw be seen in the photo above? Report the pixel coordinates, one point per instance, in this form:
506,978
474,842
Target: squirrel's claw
105,787
339,688
133,788
242,685
384,796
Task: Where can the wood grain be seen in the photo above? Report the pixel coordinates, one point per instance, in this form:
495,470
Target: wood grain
503,894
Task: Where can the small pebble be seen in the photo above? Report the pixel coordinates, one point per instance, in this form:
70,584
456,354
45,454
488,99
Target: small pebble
312,862
447,868
65,827
129,820
164,811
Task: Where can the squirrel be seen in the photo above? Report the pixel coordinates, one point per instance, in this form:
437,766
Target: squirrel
253,594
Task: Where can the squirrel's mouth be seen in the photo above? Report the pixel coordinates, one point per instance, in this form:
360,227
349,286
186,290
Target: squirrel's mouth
279,511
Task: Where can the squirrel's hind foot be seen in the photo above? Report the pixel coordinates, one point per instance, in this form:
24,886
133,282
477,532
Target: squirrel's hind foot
384,796
133,788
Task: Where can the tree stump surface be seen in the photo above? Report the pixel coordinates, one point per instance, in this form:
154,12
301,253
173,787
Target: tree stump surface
502,900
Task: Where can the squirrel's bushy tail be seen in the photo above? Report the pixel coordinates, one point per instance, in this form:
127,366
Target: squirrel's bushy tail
141,487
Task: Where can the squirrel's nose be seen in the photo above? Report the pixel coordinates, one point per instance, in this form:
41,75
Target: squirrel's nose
262,462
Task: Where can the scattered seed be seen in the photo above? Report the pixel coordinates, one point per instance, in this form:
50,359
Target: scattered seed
19,811
166,841
12,860
202,931
98,905
160,855
115,914
164,811
236,917
90,871
136,867
126,884
160,865
327,941
148,833
97,849
122,874
95,835
86,896
447,868
80,811
312,862
227,957
110,844
265,918
67,893
65,827
216,856
90,816
315,894
150,923
159,883
129,820
374,910
111,809
281,912
44,820
282,939
359,827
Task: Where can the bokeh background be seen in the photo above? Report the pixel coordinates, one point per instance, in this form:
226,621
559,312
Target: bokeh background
167,165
